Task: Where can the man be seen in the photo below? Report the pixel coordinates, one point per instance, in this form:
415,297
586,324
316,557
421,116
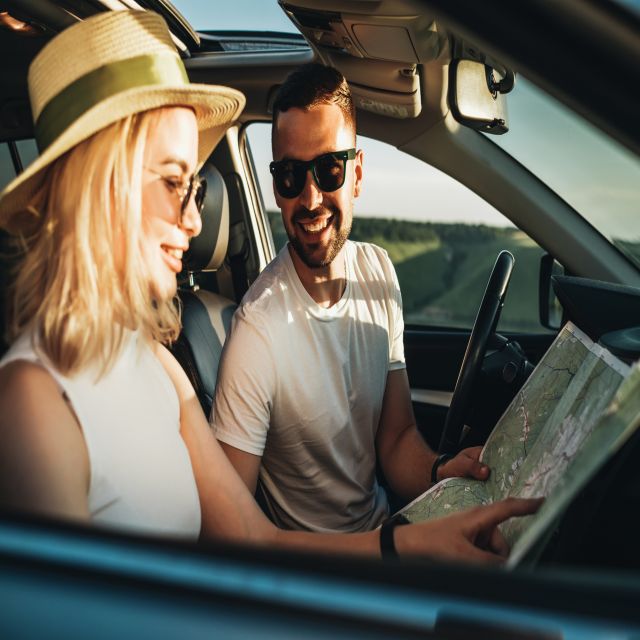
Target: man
312,383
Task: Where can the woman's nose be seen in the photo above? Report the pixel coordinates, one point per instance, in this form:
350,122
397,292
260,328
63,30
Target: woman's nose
191,220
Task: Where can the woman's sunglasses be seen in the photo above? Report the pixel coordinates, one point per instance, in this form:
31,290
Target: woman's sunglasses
196,187
328,171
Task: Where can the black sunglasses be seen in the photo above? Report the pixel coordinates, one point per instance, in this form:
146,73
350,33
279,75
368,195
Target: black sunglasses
328,171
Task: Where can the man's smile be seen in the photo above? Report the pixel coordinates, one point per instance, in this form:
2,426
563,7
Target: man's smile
316,225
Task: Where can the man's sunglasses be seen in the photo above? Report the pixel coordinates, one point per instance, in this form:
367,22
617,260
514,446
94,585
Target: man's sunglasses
328,171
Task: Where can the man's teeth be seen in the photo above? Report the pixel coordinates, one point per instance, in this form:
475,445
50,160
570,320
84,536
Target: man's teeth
176,253
314,227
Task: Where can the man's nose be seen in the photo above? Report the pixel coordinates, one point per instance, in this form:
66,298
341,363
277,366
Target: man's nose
311,195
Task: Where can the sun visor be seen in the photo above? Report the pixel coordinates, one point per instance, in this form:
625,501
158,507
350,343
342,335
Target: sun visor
379,53
385,103
386,88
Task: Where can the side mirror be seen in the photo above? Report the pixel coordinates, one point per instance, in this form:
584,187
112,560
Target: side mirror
476,95
550,307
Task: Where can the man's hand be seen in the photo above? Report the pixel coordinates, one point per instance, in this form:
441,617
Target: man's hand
468,536
464,465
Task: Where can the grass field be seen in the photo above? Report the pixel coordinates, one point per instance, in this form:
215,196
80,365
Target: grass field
443,269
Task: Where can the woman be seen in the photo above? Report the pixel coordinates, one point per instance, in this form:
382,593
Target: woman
99,422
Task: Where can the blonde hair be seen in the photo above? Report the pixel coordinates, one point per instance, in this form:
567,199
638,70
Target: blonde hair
81,281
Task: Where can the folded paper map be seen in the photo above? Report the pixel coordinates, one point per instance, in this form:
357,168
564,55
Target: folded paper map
577,408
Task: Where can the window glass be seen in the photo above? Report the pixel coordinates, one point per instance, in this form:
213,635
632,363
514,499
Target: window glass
7,172
27,151
595,175
442,238
245,15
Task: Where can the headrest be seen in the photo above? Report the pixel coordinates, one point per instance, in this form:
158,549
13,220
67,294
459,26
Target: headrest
207,251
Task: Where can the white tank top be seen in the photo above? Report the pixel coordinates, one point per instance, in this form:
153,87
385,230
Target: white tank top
141,475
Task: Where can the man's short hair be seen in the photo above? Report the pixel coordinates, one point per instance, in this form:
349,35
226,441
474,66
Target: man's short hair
311,85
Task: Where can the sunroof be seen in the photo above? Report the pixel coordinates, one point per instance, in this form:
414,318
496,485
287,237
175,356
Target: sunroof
237,41
239,15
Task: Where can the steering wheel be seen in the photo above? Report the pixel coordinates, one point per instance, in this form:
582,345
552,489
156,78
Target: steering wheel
483,328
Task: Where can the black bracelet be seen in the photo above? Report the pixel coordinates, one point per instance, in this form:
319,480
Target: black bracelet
440,460
387,545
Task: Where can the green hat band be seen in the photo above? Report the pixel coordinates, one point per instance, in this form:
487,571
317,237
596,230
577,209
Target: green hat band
102,83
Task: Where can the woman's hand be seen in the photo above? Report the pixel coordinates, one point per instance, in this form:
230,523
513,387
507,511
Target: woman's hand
467,536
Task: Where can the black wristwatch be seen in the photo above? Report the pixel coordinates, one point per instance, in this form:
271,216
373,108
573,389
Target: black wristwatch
440,460
387,545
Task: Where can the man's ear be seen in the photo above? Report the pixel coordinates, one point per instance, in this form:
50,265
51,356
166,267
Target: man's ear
358,162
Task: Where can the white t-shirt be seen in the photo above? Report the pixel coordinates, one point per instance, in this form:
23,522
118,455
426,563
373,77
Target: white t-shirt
141,475
302,386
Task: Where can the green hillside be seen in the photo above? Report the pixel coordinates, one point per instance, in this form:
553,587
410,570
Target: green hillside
443,268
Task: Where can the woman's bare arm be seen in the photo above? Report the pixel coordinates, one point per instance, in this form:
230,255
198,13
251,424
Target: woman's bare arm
44,464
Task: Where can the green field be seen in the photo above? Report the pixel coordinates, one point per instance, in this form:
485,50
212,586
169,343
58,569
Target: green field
443,268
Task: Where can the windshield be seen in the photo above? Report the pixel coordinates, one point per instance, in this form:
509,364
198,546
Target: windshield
597,177
246,15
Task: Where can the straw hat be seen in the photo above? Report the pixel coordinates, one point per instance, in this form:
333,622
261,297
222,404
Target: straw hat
103,69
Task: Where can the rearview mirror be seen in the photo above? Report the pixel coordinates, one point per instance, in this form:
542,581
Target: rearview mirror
550,307
476,95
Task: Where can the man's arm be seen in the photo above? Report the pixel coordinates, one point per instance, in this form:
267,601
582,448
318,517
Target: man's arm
405,457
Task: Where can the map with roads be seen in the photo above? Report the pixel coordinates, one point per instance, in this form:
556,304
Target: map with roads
577,407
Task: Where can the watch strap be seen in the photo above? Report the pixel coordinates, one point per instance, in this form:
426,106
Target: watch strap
437,463
387,543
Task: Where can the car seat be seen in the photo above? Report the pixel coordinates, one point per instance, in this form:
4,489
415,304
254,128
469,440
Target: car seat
206,316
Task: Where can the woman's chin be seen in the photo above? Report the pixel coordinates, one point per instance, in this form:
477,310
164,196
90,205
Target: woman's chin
163,291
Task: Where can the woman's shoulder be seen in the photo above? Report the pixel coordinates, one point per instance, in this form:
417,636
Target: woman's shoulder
28,387
23,369
34,412
41,441
18,373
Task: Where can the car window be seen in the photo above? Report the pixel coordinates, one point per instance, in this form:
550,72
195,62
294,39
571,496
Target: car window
27,151
7,171
595,175
442,238
243,15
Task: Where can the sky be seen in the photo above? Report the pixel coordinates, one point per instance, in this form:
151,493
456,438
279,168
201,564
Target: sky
598,178
261,15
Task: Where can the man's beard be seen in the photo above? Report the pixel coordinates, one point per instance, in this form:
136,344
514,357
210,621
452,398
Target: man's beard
335,245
